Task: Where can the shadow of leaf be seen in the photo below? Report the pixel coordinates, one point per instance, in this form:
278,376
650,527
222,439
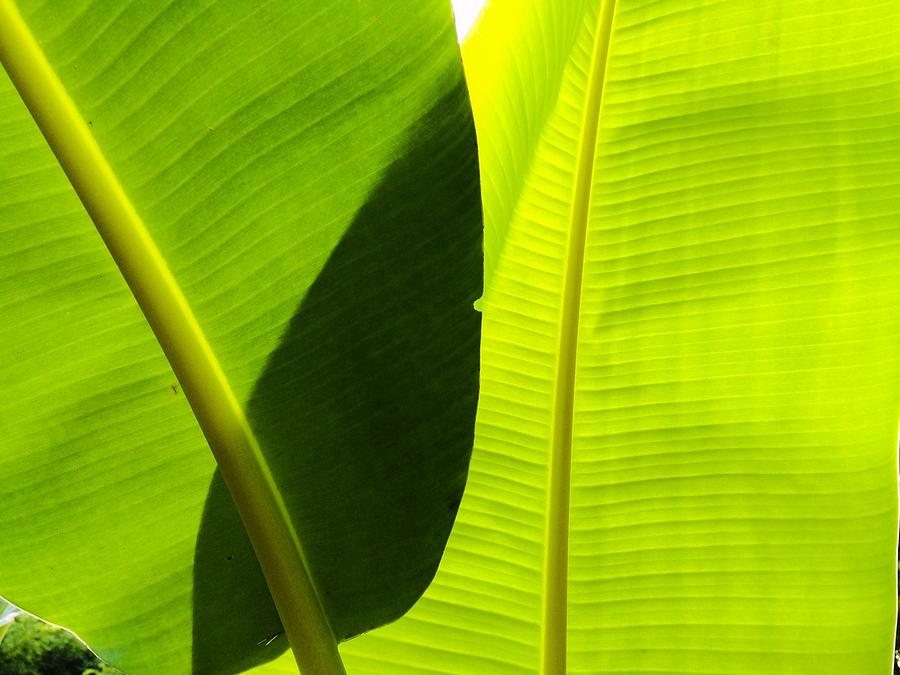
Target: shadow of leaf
366,409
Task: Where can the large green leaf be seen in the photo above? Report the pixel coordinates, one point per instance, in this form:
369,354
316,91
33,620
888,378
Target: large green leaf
307,176
686,446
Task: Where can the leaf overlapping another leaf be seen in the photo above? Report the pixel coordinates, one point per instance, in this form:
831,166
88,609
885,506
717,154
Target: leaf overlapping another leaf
268,150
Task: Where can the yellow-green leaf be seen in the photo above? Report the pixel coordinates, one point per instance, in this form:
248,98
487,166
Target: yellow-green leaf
686,448
290,191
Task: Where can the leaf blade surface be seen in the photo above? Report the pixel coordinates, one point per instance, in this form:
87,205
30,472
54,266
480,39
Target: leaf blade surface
733,497
202,209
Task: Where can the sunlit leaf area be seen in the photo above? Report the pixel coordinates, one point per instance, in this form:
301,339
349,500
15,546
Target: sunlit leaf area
483,337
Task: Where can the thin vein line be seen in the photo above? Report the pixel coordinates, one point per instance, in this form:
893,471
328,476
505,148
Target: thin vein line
206,388
554,624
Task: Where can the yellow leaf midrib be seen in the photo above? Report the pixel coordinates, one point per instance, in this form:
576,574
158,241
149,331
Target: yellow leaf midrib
553,623
205,385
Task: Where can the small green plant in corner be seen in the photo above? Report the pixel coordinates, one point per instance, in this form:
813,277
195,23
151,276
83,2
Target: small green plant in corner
32,647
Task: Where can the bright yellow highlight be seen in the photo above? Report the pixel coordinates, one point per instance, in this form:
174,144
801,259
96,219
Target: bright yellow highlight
220,416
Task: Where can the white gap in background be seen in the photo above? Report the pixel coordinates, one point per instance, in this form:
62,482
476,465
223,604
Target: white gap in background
466,11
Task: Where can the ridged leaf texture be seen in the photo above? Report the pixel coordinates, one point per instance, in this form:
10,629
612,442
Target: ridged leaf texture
728,171
306,175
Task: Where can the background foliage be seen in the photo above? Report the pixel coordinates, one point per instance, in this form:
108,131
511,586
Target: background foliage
32,647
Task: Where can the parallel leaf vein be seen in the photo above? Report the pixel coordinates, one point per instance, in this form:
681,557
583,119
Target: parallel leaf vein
553,639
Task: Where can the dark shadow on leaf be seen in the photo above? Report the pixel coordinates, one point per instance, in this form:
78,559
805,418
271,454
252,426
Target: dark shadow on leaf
366,409
233,614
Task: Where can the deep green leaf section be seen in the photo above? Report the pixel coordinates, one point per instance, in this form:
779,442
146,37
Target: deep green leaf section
277,153
387,327
382,327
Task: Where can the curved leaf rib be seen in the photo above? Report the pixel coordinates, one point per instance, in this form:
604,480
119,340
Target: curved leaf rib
208,391
553,641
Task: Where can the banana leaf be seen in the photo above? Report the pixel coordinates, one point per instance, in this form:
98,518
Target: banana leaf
691,254
290,191
686,445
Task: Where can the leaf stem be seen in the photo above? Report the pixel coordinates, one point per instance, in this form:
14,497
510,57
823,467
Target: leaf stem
206,388
554,624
